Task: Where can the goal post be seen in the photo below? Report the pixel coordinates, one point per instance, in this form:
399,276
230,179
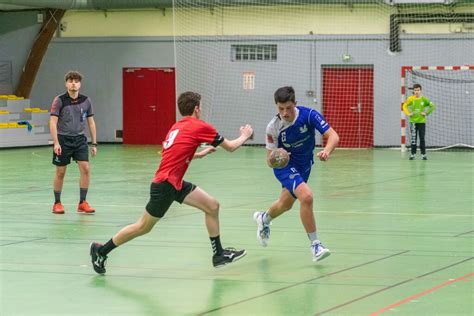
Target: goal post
342,60
451,89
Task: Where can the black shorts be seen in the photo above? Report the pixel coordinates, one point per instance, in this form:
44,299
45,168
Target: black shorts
163,194
71,146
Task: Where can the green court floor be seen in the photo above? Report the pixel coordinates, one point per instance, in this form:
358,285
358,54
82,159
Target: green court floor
400,233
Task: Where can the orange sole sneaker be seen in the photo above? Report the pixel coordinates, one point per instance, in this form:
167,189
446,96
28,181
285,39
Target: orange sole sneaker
58,208
85,208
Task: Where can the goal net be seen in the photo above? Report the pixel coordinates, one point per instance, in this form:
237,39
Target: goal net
343,57
451,89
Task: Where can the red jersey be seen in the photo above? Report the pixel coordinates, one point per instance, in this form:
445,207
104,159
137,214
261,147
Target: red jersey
181,143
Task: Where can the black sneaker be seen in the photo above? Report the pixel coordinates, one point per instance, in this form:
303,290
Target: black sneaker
424,157
412,157
229,255
98,260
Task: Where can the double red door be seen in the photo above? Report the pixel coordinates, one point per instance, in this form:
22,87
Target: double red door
348,104
149,104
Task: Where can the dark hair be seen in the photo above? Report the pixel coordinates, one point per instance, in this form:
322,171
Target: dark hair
417,86
284,94
187,101
73,75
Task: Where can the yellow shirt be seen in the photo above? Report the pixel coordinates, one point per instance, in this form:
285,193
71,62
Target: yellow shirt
416,106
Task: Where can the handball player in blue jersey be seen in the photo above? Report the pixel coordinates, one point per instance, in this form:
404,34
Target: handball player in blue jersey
294,129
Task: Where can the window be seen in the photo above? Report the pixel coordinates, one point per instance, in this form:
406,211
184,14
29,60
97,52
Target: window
267,52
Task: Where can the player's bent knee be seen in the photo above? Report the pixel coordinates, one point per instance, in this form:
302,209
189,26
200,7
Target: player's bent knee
214,207
306,199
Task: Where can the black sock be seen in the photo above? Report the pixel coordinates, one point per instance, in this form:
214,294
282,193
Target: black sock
57,197
216,245
82,194
108,247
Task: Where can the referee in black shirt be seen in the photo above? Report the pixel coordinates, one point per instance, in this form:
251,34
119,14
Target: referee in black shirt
69,113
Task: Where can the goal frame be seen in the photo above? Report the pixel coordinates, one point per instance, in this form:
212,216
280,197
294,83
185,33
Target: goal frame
403,92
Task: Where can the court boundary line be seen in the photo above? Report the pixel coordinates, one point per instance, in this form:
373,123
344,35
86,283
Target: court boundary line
405,300
232,209
302,282
390,287
23,241
465,233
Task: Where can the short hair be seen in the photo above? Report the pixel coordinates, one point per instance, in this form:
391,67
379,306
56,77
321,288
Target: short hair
417,86
187,101
73,75
284,94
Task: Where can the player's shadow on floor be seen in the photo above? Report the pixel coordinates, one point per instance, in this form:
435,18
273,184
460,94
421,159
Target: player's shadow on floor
146,301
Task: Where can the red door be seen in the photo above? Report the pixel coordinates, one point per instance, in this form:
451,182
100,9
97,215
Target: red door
148,104
348,104
166,102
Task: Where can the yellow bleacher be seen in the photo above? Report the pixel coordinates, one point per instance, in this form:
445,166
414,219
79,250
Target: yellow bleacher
11,97
35,110
12,125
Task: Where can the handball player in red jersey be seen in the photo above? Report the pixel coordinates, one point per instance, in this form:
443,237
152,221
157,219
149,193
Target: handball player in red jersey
179,148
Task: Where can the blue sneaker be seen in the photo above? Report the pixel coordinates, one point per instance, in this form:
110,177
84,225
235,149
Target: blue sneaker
319,251
263,231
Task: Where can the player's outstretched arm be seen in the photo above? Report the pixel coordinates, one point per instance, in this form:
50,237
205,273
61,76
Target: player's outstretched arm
331,144
206,151
245,133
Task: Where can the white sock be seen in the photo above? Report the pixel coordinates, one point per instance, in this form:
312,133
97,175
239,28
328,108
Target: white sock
267,218
313,237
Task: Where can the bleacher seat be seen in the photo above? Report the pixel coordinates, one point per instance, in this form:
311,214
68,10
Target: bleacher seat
14,109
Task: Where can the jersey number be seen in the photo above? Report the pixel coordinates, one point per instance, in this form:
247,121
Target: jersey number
172,135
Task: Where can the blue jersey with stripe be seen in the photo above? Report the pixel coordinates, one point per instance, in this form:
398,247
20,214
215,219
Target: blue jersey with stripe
297,137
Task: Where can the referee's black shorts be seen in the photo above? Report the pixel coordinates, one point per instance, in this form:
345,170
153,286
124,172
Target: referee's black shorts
163,194
74,147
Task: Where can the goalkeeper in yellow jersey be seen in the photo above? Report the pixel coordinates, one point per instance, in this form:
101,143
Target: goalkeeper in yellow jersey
418,107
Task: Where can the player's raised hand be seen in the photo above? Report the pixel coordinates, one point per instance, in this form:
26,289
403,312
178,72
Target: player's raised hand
246,131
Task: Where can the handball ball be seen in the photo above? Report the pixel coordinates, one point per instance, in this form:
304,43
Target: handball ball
279,158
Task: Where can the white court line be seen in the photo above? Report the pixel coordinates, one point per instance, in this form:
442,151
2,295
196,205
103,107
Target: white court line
246,209
38,155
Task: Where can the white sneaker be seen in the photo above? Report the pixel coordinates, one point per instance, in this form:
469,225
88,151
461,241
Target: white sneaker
263,231
319,251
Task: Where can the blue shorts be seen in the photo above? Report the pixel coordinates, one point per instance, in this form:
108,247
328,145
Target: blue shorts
291,177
